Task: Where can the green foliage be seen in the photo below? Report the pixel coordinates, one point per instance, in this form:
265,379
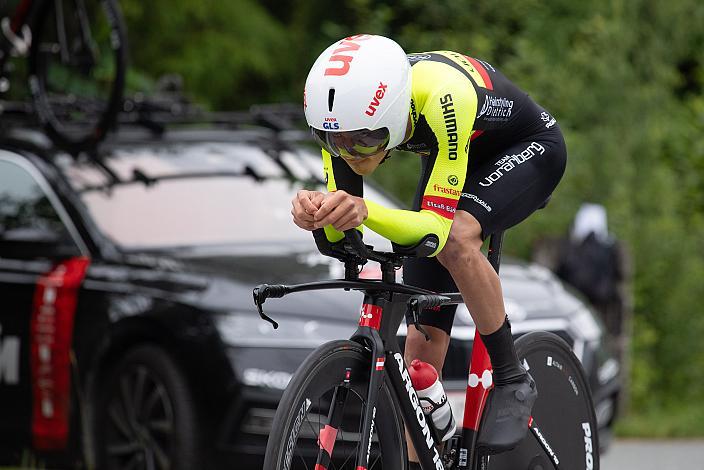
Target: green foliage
231,54
625,78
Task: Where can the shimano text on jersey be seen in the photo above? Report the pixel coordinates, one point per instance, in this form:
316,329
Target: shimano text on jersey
448,114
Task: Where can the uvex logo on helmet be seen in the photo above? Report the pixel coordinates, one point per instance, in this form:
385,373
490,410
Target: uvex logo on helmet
348,45
331,123
376,99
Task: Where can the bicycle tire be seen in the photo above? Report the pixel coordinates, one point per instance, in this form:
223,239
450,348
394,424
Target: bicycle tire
293,442
563,408
89,138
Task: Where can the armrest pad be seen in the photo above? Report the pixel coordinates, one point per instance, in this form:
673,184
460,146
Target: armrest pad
425,247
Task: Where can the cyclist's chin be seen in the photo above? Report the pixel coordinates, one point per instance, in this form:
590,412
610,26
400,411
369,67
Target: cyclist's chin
364,167
365,171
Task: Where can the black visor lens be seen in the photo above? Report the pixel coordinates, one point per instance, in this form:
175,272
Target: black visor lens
353,144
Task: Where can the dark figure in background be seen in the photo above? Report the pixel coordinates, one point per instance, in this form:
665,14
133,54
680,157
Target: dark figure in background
595,263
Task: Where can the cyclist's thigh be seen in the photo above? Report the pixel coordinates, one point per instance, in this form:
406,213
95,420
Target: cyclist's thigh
506,188
429,274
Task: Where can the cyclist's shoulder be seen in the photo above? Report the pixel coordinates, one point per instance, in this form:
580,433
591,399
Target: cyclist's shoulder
437,73
444,99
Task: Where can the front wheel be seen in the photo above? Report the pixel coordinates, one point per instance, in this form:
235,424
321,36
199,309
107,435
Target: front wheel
563,415
302,414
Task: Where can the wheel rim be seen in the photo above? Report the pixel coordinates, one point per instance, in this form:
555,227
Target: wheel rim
140,422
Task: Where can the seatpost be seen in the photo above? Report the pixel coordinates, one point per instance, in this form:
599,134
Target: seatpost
494,255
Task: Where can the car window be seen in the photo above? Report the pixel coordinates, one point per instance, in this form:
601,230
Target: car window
199,210
25,210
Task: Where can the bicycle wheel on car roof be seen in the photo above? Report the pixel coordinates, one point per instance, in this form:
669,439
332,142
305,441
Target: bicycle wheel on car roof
77,70
302,426
564,427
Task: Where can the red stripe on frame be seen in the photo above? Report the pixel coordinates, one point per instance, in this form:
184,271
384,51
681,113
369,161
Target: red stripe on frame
51,332
482,71
370,316
443,206
326,441
476,134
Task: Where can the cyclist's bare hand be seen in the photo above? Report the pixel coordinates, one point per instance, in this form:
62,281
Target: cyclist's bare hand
305,204
341,210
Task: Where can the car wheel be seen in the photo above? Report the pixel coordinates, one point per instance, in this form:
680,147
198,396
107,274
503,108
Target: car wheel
145,416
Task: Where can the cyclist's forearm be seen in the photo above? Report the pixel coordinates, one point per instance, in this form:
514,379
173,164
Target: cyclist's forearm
407,227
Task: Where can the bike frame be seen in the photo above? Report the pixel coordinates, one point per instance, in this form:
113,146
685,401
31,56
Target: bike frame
385,305
378,323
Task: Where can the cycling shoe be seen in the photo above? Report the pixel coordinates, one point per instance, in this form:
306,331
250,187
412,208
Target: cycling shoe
506,415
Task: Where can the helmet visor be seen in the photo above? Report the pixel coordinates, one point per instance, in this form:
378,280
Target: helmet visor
356,145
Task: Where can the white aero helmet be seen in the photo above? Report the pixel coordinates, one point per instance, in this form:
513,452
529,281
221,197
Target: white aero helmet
358,96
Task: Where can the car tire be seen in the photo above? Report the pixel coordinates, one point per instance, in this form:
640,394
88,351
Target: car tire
145,414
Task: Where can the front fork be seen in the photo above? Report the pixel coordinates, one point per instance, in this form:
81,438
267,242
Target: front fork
370,338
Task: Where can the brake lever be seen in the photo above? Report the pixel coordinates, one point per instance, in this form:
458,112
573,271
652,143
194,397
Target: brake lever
418,303
412,307
263,292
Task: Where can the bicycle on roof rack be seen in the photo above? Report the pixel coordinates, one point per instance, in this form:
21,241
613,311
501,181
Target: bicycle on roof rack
351,402
76,65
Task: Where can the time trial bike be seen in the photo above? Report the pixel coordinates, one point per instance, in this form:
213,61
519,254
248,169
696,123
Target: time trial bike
351,402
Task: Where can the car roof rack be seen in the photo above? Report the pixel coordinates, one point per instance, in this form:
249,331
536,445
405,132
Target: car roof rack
168,107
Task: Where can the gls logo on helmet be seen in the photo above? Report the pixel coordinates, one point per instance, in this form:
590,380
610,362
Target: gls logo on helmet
347,45
331,123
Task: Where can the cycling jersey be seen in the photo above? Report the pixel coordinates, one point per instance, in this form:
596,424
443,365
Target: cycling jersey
460,106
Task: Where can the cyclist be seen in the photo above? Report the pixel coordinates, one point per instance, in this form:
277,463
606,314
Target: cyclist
490,156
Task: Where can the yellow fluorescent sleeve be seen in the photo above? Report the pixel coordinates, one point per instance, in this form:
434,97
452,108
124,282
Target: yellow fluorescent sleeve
407,227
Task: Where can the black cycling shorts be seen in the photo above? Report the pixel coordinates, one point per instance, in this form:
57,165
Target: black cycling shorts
501,190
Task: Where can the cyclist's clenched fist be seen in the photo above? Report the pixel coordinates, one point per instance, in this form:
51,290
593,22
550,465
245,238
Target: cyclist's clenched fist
305,204
341,210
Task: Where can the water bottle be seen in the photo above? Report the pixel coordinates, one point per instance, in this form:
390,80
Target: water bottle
432,398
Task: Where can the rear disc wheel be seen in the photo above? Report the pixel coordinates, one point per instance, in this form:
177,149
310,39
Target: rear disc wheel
563,413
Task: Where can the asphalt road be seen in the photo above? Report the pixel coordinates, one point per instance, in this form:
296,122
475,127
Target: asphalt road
654,455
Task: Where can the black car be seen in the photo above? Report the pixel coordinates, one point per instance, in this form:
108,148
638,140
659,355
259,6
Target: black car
128,336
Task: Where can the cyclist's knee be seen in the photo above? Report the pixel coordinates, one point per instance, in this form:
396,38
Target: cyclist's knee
464,242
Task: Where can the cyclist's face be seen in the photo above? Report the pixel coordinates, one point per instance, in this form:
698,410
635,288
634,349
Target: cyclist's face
365,166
